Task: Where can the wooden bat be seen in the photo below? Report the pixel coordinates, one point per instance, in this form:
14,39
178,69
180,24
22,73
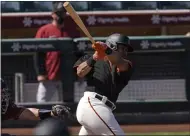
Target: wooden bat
77,20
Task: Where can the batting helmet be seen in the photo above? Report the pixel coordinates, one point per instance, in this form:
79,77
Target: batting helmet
51,127
118,39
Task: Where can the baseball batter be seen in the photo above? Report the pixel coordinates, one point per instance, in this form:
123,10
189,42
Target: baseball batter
107,72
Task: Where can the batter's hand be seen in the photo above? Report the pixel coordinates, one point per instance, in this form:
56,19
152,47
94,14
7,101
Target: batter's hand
99,48
62,112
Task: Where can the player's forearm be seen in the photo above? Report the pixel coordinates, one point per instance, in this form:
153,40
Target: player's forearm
84,68
35,114
27,114
41,113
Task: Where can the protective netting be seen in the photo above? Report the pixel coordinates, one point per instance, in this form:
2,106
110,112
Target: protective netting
154,90
23,63
5,99
17,64
157,77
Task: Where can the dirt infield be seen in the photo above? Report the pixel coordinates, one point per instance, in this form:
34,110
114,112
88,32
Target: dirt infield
126,128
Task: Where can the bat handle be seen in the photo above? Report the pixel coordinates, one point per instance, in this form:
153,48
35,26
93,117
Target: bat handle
92,40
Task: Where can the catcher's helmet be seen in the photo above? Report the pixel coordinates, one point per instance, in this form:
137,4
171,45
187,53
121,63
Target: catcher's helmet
51,127
5,97
118,39
3,85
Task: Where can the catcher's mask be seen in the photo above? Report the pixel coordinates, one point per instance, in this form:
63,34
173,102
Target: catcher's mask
114,40
5,97
60,11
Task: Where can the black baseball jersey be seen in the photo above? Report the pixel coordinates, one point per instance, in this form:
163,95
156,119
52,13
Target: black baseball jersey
104,81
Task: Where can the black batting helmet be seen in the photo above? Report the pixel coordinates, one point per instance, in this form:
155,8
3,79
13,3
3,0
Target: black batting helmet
51,127
118,39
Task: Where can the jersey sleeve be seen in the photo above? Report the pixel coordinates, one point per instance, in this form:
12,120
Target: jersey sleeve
40,33
124,77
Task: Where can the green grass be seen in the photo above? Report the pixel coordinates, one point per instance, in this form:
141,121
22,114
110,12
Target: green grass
160,134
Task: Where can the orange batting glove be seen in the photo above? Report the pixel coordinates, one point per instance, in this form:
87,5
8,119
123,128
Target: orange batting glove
99,48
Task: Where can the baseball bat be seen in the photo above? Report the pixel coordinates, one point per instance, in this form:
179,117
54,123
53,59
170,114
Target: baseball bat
77,20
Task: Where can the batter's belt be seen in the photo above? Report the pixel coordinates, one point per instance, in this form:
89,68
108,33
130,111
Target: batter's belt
105,101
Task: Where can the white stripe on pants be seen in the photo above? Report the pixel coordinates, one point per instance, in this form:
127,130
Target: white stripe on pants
96,118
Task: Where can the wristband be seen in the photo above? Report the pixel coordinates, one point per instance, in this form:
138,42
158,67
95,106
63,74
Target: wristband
43,114
91,61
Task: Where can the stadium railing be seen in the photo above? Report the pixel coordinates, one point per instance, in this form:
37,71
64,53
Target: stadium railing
161,70
160,84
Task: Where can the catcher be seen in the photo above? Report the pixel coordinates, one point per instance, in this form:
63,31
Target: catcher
107,72
10,111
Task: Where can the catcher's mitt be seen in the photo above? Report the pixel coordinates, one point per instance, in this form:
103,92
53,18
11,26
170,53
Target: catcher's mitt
63,112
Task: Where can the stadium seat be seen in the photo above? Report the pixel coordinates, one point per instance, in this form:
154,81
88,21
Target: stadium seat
27,6
46,6
105,5
174,5
80,5
43,5
139,5
36,6
10,6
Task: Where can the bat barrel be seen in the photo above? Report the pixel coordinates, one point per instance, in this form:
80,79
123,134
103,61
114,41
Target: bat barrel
77,20
66,4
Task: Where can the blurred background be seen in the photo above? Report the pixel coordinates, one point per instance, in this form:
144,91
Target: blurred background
159,91
43,6
130,24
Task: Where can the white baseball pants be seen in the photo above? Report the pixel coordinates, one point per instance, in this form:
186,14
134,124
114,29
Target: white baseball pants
49,89
95,117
